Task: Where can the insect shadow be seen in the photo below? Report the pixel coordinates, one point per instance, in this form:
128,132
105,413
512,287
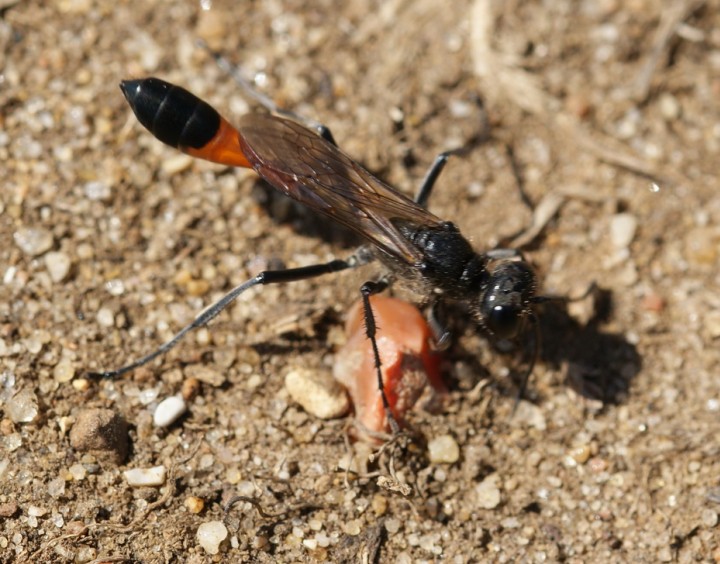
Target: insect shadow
599,365
596,364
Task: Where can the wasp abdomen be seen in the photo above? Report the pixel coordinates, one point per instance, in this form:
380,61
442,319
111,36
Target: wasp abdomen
172,114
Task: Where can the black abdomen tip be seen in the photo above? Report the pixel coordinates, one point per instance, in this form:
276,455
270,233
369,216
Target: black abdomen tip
172,114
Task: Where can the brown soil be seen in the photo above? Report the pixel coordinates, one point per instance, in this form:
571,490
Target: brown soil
610,106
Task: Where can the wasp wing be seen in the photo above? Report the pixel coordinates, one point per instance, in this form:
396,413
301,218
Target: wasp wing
316,173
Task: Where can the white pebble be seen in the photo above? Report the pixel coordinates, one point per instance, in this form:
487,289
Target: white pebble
78,472
115,287
97,190
317,392
11,442
622,229
487,493
145,477
310,544
36,511
176,164
709,518
169,410
33,241
58,265
669,106
64,371
443,450
105,317
56,487
22,407
148,396
210,535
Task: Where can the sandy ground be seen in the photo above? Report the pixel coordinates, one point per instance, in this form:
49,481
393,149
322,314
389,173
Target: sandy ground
113,241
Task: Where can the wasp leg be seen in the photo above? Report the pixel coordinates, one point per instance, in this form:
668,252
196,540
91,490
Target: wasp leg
267,277
534,355
368,289
441,336
431,177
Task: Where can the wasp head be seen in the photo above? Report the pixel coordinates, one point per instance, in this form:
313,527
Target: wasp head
506,297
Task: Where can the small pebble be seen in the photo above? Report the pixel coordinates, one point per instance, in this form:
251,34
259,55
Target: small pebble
323,540
379,504
460,109
35,511
622,229
352,528
11,442
97,190
78,472
105,317
197,288
81,384
176,164
58,265
233,475
190,389
75,528
101,432
33,241
597,465
310,544
709,518
653,302
86,554
711,321
56,487
317,392
22,407
581,454
487,492
145,477
115,287
443,450
148,396
205,374
169,410
6,427
64,371
8,509
194,504
669,106
210,535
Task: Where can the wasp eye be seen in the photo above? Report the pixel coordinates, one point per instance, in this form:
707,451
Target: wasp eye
503,304
504,321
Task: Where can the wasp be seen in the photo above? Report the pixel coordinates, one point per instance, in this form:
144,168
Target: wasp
303,161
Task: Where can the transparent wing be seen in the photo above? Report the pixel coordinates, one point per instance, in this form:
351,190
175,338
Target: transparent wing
317,174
